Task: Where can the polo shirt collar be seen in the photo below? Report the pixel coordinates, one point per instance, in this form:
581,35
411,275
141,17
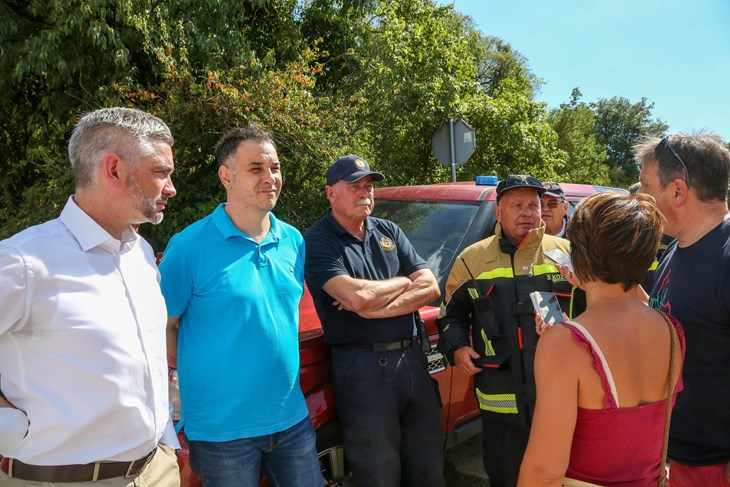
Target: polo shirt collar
339,229
86,231
228,229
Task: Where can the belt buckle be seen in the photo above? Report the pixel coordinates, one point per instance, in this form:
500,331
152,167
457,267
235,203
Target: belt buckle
143,460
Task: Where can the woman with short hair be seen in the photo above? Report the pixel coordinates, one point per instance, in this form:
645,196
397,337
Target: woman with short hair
603,380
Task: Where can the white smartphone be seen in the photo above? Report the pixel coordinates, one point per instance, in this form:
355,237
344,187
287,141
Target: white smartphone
547,306
559,257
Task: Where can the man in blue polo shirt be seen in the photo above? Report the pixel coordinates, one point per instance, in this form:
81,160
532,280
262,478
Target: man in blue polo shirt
232,282
367,283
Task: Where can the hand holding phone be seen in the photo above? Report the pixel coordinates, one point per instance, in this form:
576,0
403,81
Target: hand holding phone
547,307
559,257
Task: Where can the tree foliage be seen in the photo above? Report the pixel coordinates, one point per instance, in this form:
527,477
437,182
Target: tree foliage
575,124
598,138
326,77
619,125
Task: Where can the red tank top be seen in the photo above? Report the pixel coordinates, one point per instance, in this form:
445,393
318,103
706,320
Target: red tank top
617,446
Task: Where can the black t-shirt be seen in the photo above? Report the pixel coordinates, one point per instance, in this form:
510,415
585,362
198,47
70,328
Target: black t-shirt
693,284
385,252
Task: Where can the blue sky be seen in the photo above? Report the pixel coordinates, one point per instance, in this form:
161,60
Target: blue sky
674,53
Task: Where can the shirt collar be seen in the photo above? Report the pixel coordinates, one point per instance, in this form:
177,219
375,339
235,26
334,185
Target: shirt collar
228,229
532,238
87,232
339,229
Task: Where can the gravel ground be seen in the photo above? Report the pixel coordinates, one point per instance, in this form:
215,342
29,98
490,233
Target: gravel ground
463,467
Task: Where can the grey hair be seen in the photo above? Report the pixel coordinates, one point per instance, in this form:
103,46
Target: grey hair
705,155
127,132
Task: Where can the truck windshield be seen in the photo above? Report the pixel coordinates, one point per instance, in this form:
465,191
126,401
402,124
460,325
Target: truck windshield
435,229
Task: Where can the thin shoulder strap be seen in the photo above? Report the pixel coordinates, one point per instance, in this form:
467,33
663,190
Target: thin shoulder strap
670,392
599,353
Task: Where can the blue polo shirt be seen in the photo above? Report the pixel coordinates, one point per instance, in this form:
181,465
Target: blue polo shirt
238,346
384,252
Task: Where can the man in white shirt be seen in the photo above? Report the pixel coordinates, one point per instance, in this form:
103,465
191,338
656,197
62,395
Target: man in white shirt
83,370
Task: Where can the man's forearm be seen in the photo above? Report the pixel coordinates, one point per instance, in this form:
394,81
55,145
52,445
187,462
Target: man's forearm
421,291
359,295
171,336
379,293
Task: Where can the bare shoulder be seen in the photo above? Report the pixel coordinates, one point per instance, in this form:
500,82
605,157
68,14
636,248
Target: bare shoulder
557,348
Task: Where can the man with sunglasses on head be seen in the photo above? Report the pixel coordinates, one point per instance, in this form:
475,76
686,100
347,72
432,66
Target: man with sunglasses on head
554,209
688,177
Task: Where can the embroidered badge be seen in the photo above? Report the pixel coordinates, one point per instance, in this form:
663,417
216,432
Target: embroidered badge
386,244
360,163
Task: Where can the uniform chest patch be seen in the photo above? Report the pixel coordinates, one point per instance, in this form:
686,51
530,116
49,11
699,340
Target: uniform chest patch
386,244
555,277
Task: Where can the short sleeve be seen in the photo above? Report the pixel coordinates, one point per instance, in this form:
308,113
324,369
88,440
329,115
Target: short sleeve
176,278
324,259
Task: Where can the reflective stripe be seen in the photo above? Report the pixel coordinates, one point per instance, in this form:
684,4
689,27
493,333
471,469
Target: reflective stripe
507,272
488,348
540,269
497,403
572,299
473,293
498,272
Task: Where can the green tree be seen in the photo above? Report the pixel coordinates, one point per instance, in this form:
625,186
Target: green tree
497,62
575,124
515,137
412,65
619,125
202,74
327,77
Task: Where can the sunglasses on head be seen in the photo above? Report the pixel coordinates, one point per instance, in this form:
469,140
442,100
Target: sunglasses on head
552,204
665,143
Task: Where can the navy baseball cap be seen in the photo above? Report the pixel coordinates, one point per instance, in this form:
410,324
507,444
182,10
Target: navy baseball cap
553,189
350,168
519,181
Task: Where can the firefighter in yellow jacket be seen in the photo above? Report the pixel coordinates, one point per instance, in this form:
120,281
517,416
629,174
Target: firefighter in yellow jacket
487,322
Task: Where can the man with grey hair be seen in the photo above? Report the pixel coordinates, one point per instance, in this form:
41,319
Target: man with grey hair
688,177
83,369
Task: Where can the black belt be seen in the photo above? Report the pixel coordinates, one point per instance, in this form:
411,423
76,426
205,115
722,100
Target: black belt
396,346
74,473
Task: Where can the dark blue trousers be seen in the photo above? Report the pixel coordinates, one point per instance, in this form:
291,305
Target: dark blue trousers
390,411
504,439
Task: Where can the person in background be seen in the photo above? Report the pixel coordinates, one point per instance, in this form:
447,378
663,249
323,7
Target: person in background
688,177
602,380
367,284
232,282
554,209
486,325
665,241
83,369
648,281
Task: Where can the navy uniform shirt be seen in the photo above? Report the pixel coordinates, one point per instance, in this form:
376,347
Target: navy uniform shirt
385,252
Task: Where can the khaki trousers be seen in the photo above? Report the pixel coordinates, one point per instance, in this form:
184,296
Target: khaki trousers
162,471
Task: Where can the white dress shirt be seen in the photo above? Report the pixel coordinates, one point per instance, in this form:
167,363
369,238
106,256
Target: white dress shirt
82,342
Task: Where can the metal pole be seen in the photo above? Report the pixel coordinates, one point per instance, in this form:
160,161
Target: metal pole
453,150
